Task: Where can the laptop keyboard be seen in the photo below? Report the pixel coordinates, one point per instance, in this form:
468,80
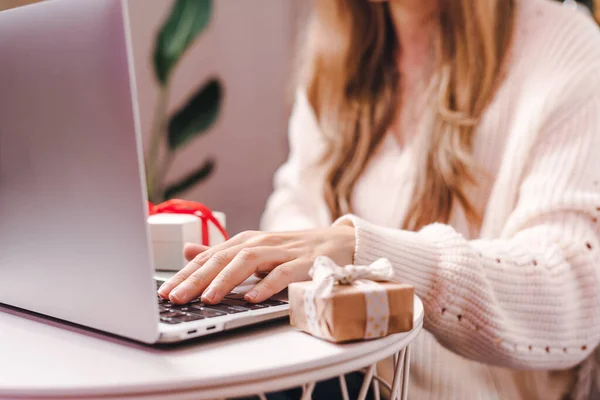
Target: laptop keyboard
195,310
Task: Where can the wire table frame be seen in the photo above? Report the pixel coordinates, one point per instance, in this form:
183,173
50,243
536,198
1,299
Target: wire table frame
398,389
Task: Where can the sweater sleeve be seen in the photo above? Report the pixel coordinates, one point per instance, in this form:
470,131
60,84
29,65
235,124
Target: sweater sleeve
530,299
297,200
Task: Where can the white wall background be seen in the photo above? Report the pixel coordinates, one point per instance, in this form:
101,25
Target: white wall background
250,46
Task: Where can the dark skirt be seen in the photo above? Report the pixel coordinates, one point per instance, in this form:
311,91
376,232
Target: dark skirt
326,390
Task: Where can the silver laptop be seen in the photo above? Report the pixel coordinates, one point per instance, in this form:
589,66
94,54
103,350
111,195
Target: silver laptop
74,243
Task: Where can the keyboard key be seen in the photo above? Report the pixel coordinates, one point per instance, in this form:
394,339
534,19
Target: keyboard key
232,302
205,312
190,317
235,296
241,303
162,308
256,306
185,309
170,314
170,321
272,302
226,309
174,307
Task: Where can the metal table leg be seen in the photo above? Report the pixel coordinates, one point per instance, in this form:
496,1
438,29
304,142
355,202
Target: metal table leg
398,390
405,373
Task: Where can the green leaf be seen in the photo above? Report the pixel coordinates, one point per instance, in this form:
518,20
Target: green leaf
187,19
196,116
190,180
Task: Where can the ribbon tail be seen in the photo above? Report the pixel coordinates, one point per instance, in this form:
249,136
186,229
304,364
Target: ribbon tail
218,225
310,305
376,307
205,238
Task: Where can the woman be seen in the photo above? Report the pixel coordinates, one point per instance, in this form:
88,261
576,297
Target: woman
461,140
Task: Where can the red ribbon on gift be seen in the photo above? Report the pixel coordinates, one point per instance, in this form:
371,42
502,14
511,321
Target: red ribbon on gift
176,206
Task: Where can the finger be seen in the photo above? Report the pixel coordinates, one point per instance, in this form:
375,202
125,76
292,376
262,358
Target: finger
191,250
193,286
196,263
245,263
200,259
279,279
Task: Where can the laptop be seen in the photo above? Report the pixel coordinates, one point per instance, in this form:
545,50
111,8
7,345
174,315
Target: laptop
74,242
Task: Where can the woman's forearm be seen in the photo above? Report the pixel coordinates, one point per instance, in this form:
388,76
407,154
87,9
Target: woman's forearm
532,301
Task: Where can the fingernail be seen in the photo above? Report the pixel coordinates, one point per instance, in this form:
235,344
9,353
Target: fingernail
162,289
209,295
177,295
251,295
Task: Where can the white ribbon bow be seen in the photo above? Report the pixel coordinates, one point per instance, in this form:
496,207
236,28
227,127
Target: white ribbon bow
326,274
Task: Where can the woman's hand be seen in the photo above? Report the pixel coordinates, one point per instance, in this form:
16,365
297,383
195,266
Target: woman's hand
283,257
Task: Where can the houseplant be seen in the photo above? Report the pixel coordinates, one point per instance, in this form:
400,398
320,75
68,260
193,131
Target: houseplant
170,133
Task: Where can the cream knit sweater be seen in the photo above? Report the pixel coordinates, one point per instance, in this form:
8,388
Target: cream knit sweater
512,308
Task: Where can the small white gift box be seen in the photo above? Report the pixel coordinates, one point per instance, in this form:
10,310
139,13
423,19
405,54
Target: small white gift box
170,232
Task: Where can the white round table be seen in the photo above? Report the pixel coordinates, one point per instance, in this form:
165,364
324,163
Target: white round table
51,360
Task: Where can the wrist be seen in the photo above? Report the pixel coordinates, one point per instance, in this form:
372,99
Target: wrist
346,242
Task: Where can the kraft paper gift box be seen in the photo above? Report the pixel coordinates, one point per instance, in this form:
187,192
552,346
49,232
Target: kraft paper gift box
345,304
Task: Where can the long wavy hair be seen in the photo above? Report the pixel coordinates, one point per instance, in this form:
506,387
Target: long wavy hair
352,83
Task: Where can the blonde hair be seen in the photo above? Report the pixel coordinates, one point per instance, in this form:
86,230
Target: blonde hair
352,82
